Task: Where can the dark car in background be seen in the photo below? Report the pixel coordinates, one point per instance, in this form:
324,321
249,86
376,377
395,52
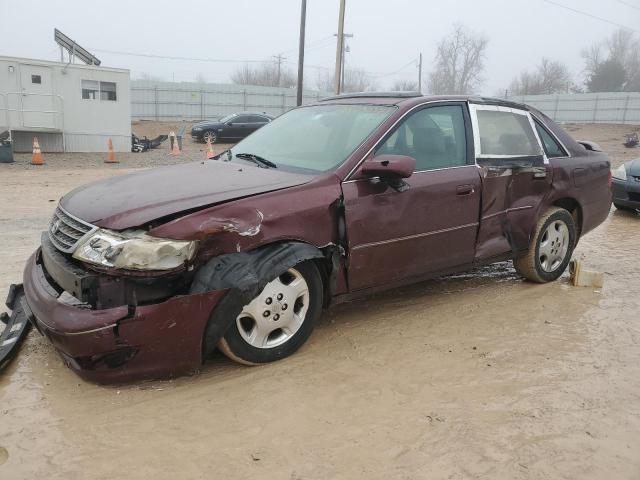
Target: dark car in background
146,274
233,127
626,185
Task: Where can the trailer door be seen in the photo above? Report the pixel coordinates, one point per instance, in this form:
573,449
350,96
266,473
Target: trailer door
37,103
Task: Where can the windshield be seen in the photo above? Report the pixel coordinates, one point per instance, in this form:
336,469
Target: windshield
227,118
317,138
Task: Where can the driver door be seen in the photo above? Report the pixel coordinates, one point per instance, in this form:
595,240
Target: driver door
430,227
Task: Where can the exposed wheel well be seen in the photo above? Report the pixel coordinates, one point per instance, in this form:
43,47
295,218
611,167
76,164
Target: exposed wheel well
573,207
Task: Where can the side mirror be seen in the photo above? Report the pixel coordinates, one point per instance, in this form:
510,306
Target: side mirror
389,166
391,169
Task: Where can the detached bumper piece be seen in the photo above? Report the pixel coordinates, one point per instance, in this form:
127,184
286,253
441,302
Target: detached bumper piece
17,325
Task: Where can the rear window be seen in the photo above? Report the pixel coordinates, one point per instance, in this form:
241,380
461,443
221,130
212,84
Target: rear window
504,133
551,147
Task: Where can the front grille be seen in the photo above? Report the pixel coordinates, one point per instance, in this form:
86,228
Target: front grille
65,231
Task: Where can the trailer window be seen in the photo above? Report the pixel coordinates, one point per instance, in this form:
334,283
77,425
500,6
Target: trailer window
36,79
94,90
90,89
107,91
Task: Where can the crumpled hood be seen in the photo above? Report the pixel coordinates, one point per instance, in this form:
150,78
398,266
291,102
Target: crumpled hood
132,200
633,167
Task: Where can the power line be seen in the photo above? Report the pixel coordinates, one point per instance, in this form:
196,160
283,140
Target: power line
629,4
412,62
170,57
586,14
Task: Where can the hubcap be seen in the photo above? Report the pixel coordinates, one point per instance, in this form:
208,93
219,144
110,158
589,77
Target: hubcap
554,245
277,313
210,136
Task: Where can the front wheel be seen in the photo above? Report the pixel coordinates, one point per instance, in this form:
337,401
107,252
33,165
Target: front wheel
551,247
210,136
623,208
277,321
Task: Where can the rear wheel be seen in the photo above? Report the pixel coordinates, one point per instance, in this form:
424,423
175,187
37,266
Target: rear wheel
551,247
210,136
278,320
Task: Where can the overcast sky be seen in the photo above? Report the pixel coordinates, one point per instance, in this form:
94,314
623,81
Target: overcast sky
388,35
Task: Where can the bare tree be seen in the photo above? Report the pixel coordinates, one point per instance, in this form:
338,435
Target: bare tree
405,86
267,74
549,77
355,80
613,64
459,62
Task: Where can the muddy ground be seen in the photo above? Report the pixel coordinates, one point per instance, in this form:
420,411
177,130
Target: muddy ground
478,375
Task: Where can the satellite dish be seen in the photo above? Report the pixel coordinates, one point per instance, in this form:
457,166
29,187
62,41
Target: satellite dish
74,49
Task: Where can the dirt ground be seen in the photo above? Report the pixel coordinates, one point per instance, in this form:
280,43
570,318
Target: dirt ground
479,375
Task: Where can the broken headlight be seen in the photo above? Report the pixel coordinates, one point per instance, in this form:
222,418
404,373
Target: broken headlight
134,250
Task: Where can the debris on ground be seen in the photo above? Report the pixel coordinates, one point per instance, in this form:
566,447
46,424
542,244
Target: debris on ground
580,277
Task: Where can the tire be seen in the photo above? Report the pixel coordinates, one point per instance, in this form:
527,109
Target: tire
288,324
550,249
623,208
211,135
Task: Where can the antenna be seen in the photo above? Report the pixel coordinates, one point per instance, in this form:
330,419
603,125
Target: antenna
73,49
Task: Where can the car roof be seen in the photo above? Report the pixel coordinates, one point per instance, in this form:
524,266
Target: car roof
262,114
397,98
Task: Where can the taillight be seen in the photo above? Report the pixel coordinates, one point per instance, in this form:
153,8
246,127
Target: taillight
610,179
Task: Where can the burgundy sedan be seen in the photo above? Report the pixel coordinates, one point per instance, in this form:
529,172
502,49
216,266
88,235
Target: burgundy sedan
144,275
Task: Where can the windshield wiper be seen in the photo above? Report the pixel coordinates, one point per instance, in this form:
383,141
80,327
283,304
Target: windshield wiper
263,162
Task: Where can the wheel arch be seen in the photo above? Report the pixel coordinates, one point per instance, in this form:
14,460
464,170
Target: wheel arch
244,275
575,209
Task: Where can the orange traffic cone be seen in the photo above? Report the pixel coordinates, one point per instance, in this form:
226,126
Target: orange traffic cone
210,152
111,158
175,150
36,159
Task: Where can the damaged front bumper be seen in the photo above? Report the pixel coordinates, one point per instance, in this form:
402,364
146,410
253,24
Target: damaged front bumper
124,342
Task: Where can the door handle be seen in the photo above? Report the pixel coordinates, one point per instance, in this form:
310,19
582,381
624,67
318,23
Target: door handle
464,190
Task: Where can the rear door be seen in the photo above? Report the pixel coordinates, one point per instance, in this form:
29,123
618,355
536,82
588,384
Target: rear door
511,197
239,128
256,121
394,236
36,100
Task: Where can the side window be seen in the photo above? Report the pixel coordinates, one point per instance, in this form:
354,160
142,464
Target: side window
108,91
257,119
241,119
552,148
506,133
90,89
434,136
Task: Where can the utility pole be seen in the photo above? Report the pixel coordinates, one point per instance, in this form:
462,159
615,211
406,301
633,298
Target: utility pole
420,73
279,58
339,49
345,49
303,19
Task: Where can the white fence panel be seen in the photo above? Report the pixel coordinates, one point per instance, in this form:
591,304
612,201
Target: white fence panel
621,108
169,101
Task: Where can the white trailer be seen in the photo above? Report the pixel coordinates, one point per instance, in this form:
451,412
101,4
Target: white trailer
69,107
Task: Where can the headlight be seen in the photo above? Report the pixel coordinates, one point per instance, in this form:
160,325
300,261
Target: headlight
619,173
134,250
